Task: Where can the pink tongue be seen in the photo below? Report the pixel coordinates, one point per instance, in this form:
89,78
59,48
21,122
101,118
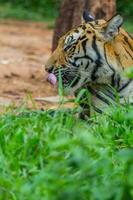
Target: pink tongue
52,79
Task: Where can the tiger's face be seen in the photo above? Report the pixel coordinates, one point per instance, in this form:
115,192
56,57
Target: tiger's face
80,55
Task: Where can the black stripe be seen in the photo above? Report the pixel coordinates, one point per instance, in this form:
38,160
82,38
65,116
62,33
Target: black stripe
87,65
109,94
110,90
126,40
83,37
93,73
113,82
83,27
88,57
84,46
76,31
97,95
98,61
97,109
74,81
94,46
91,25
73,63
84,57
125,85
117,80
128,52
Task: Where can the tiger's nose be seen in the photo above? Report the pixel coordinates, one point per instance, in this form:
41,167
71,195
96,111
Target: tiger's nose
49,69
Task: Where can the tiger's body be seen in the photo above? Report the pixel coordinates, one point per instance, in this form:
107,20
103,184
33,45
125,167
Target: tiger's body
94,56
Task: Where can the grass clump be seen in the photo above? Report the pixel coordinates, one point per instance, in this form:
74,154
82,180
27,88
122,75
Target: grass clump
57,156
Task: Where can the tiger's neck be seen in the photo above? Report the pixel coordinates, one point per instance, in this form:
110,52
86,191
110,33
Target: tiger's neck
120,50
120,58
102,96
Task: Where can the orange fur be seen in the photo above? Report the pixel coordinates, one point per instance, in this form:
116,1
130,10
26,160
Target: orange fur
95,54
118,50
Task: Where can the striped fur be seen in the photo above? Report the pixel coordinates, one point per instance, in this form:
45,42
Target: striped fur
94,56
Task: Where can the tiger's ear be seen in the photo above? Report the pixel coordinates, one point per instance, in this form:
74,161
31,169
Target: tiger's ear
87,17
112,28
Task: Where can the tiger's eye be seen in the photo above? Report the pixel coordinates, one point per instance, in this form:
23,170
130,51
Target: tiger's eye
89,32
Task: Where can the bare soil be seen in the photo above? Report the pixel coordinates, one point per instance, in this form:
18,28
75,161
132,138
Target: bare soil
24,49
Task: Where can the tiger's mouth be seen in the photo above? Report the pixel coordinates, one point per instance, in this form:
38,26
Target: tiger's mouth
52,79
71,82
67,80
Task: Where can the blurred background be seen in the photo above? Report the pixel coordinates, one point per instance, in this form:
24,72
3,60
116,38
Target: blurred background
48,10
43,10
30,29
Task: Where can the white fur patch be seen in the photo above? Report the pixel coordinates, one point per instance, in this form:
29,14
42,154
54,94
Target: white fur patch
72,38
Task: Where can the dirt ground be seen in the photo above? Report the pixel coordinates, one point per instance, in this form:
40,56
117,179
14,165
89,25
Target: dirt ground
24,49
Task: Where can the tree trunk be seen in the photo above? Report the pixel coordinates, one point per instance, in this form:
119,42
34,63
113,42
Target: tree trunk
71,12
69,16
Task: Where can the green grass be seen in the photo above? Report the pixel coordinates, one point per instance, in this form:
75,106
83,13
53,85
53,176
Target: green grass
57,157
128,25
8,11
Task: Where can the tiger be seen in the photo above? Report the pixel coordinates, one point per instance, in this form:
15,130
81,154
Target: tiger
94,56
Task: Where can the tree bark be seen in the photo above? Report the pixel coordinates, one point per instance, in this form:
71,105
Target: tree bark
69,16
71,12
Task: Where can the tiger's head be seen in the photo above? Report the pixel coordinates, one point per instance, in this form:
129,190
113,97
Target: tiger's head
93,52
